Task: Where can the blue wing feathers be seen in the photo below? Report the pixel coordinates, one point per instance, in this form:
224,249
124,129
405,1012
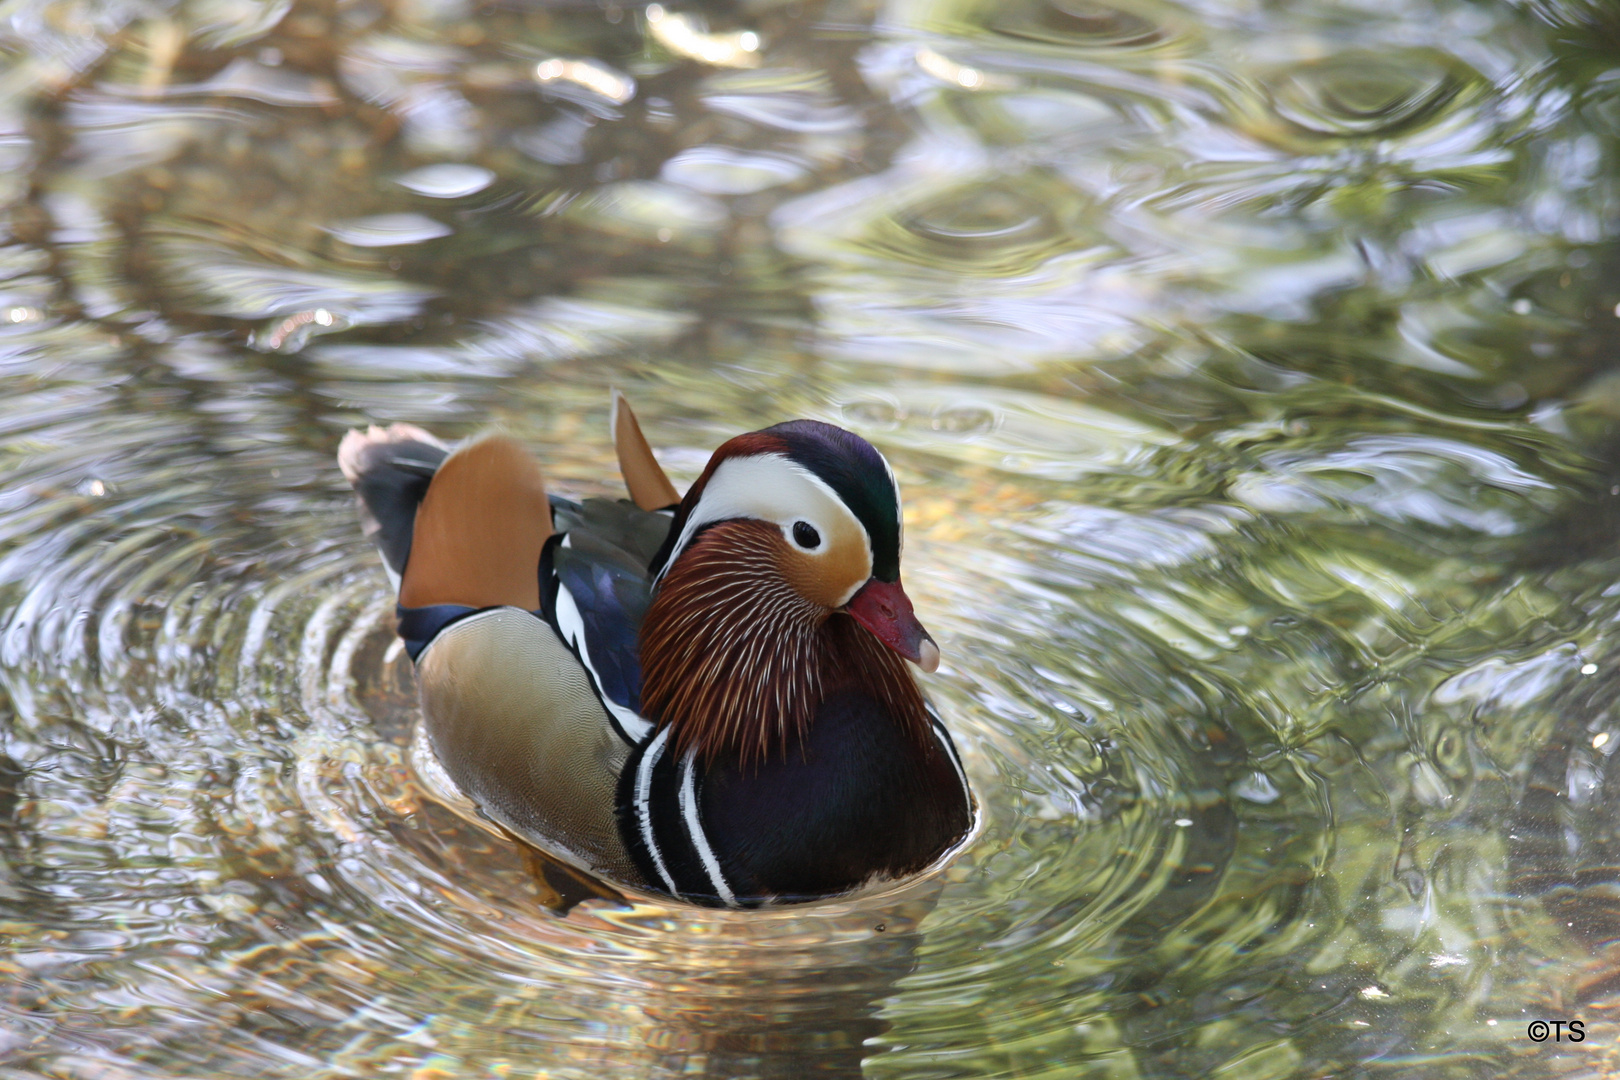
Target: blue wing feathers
607,577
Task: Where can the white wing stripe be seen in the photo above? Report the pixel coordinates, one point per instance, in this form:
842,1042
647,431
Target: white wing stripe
572,625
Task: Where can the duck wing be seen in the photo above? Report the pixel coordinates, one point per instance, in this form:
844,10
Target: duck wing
595,591
534,717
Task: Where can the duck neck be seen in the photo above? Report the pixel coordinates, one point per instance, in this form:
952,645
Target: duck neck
735,661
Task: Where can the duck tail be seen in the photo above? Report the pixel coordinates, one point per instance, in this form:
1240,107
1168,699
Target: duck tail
390,469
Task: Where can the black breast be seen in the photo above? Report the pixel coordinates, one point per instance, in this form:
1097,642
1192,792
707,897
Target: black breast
858,799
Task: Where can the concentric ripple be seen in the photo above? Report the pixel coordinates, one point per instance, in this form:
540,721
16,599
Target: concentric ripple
987,229
1082,23
1369,95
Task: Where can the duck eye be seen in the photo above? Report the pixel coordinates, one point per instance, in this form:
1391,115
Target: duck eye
805,535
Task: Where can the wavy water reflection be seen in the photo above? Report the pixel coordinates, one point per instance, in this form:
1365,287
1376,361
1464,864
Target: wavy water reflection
1250,374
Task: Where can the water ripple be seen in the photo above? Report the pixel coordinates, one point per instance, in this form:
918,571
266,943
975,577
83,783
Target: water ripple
1083,24
1246,370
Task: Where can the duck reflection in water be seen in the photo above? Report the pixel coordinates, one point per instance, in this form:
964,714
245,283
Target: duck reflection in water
790,991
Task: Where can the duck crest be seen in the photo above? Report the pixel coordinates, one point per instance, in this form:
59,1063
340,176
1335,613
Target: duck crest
735,661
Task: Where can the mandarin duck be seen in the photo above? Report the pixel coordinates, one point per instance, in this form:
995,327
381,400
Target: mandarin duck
703,697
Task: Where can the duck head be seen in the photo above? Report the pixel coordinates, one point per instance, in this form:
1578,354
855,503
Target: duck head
780,583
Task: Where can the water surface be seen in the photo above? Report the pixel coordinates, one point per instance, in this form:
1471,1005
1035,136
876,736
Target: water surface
1251,374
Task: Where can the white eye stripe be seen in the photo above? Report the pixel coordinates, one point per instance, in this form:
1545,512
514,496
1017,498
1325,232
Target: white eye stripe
768,487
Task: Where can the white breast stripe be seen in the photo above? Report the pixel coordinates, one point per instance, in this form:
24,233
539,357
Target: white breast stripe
950,750
694,829
956,762
644,811
572,625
